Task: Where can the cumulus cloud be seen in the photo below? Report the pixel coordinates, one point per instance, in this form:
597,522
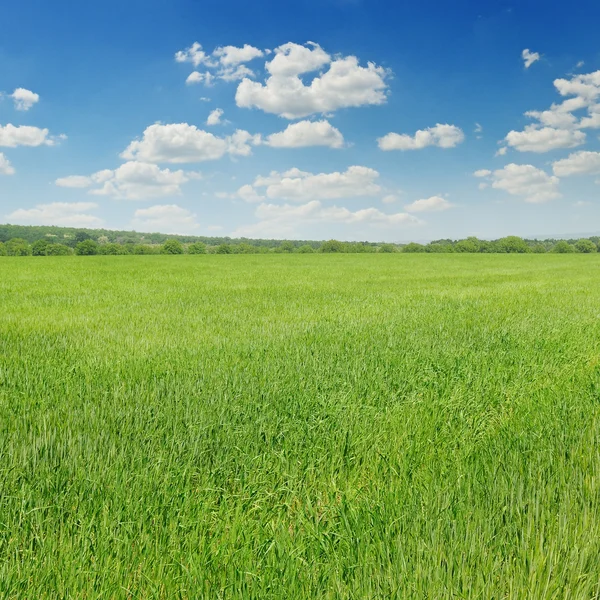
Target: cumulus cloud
390,199
196,77
5,167
184,143
578,163
300,186
533,184
344,84
278,220
226,62
66,214
442,136
12,136
215,117
534,139
433,204
169,218
307,133
230,56
24,99
132,181
529,57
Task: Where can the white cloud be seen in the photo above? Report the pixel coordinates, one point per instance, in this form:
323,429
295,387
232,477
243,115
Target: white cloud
168,218
533,184
12,136
194,54
578,163
581,203
230,56
478,128
344,84
132,181
390,199
215,117
196,77
433,204
299,186
443,136
235,73
74,181
24,99
5,167
533,139
249,194
183,143
279,220
307,133
529,57
66,214
501,151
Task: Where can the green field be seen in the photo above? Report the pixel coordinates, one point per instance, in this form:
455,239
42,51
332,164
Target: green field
318,426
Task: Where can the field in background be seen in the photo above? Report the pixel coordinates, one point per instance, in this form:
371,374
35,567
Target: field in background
318,426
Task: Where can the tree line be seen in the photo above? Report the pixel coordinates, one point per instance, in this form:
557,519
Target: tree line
83,244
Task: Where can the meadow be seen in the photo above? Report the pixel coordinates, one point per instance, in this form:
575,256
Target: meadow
300,426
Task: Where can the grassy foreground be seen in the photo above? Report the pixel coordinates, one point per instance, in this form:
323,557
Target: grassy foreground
319,426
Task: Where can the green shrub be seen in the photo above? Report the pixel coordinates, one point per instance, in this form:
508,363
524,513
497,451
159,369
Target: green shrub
197,248
172,247
563,247
586,246
17,247
306,249
86,248
58,250
387,248
332,246
413,247
224,249
39,248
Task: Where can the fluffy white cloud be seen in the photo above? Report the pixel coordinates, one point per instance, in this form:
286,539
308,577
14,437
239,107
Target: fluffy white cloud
196,77
433,204
183,143
66,214
299,186
215,117
344,84
533,184
307,133
194,54
5,167
443,136
249,194
533,139
235,73
280,220
529,57
24,99
12,136
230,56
390,199
169,218
578,163
132,181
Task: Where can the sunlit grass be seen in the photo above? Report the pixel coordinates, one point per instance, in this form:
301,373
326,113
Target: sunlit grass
353,426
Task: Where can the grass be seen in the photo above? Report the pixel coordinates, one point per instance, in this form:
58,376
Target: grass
354,426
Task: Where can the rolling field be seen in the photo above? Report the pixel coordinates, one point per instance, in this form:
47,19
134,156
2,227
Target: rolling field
303,426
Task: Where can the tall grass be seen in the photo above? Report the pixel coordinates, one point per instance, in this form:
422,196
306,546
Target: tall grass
377,426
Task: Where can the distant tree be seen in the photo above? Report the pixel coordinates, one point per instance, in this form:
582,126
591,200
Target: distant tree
82,236
469,245
2,249
586,246
306,249
538,248
563,247
58,250
86,248
331,246
244,248
512,244
172,247
223,249
387,248
286,247
39,248
144,249
413,247
17,247
103,240
111,249
197,248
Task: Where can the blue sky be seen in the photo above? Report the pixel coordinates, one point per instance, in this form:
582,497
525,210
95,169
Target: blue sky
330,118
